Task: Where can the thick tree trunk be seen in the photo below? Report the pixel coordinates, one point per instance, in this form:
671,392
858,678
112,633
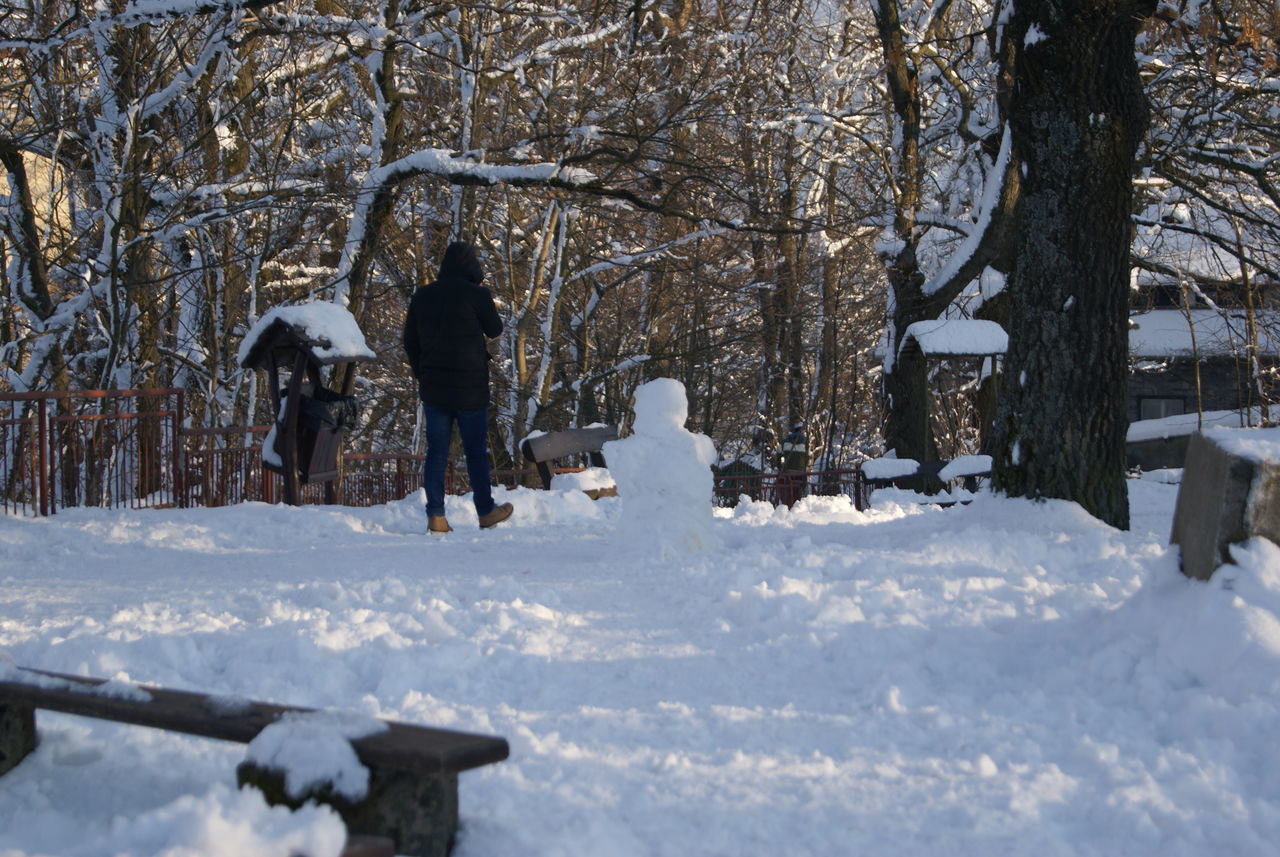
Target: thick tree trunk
1077,111
907,430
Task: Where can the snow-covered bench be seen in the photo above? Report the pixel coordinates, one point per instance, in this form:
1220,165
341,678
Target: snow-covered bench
544,449
881,472
412,794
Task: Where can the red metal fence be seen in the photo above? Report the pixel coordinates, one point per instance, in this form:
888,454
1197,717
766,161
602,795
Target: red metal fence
223,466
130,449
119,448
787,488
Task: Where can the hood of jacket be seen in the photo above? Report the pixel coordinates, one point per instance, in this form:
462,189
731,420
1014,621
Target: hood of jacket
461,262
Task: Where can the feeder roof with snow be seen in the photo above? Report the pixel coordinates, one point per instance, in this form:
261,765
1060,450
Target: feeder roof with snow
326,331
957,337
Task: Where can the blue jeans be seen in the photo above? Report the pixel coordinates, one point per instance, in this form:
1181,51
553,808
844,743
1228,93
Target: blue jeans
473,428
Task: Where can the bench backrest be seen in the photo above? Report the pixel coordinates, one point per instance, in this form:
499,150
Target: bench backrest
546,448
963,468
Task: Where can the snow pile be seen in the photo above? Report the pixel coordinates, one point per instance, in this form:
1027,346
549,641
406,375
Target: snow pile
663,474
898,468
590,479
313,749
1257,444
965,465
1224,635
121,688
1005,677
889,468
1203,332
224,822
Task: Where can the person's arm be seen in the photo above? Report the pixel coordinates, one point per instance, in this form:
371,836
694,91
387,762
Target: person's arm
412,347
490,321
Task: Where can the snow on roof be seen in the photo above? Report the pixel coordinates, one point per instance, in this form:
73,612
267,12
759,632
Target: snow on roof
330,329
1181,425
1184,231
957,337
1167,333
1159,333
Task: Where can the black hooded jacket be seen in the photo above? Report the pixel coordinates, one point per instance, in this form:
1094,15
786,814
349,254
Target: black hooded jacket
445,331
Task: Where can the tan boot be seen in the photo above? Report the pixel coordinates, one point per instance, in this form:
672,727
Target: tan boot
438,524
497,516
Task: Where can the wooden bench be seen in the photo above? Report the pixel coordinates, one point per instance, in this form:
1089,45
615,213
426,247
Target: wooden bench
412,799
544,449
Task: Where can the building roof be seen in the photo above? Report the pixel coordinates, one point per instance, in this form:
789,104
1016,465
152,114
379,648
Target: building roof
1206,332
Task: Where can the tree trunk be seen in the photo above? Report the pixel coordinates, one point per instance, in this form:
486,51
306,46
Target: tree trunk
1077,111
907,429
906,391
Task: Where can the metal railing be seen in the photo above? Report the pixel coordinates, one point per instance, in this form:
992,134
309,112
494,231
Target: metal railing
223,466
113,448
23,450
787,488
129,449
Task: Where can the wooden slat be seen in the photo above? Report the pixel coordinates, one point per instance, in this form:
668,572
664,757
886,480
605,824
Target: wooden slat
368,846
403,746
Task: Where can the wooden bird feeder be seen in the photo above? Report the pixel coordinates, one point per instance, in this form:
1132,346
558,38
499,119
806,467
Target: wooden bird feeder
310,418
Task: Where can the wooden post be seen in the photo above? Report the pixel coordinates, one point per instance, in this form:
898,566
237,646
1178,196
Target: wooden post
418,811
268,486
45,481
289,447
17,735
333,489
179,451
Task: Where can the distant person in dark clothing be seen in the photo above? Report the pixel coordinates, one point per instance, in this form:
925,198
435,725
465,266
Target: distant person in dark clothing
792,463
445,335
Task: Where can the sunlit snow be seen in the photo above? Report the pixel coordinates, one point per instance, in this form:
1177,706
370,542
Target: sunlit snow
1003,677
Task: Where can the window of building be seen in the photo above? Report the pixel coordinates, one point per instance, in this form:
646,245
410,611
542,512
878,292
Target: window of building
1155,407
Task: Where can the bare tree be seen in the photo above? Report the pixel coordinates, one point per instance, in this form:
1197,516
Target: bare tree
952,184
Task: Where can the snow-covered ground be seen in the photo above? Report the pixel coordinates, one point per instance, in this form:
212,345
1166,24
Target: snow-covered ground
1000,678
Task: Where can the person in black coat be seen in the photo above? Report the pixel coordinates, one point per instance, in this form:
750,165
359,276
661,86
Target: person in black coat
793,463
445,333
